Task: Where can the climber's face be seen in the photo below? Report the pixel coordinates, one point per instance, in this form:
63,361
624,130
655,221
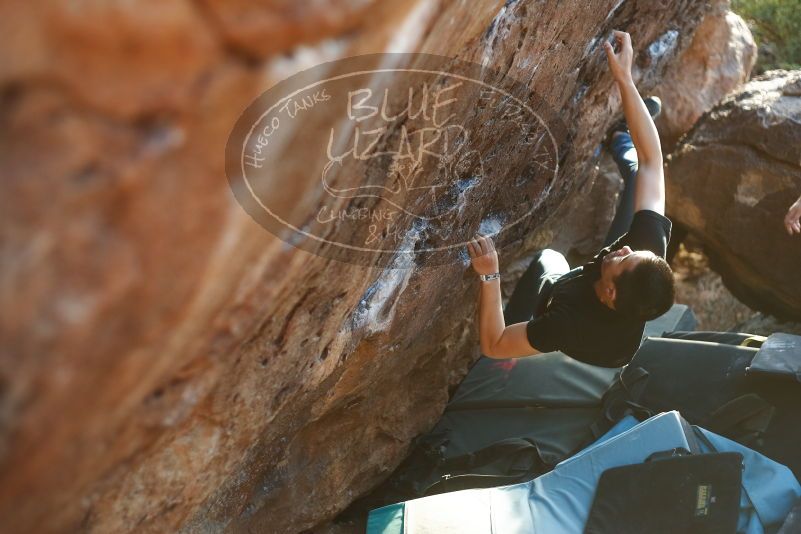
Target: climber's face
616,263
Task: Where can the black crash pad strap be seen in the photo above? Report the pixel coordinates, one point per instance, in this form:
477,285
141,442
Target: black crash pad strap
621,399
750,413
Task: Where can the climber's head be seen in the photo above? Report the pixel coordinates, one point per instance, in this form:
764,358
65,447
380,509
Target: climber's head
637,283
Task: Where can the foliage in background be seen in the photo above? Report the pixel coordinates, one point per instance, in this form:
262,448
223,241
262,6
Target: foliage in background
776,25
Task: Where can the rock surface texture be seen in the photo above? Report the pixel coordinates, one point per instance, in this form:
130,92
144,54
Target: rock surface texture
720,59
731,182
169,366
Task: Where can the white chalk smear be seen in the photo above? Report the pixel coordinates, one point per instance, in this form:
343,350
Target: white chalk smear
664,44
376,309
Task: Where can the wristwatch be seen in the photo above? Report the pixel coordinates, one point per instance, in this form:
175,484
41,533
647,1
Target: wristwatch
488,277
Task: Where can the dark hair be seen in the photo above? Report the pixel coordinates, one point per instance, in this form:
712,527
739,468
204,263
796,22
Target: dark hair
647,291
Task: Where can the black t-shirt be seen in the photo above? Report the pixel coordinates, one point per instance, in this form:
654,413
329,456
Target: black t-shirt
577,323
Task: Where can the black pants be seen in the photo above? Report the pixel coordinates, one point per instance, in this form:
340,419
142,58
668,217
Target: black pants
532,292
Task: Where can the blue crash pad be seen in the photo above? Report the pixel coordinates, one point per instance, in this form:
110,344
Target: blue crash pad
769,488
557,502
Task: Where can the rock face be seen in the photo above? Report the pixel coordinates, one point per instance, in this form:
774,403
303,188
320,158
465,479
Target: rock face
731,182
702,289
720,58
166,364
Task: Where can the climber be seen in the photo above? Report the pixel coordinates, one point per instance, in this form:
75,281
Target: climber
595,313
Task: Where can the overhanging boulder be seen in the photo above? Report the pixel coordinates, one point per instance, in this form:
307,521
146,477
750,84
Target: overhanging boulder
731,181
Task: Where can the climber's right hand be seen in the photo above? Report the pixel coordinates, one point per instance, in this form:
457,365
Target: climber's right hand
792,221
620,62
483,255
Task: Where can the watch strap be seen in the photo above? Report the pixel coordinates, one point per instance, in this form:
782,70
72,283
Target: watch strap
488,277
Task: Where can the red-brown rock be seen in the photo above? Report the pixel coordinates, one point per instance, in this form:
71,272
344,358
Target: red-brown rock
720,59
730,183
264,27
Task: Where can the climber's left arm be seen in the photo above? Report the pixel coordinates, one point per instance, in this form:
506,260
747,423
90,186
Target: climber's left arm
513,343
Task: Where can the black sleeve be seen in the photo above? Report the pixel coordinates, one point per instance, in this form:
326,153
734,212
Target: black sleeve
648,231
546,333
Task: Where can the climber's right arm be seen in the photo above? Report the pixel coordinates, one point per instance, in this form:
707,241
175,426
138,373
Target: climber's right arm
650,187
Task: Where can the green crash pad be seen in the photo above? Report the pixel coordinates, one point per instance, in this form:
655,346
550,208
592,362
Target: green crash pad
550,400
